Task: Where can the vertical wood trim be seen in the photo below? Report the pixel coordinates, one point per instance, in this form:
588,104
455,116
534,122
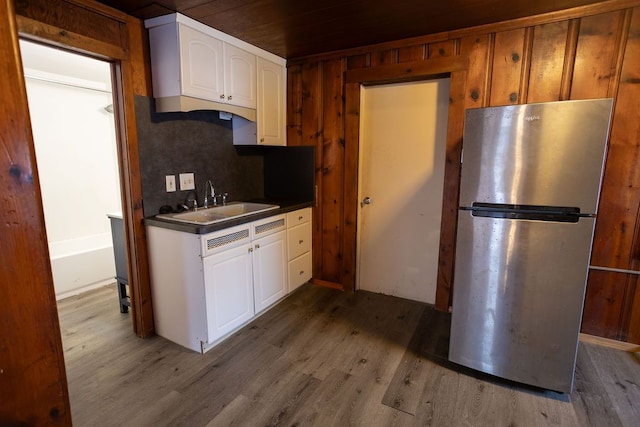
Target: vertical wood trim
486,99
351,165
139,57
138,265
311,134
294,105
569,59
448,227
526,64
33,384
455,50
333,166
621,45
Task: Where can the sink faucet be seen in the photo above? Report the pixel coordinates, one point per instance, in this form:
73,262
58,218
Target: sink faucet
208,189
190,200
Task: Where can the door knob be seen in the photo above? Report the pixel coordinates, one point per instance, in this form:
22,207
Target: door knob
365,201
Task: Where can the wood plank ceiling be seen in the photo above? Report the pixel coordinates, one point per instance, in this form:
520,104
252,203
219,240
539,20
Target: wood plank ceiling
297,28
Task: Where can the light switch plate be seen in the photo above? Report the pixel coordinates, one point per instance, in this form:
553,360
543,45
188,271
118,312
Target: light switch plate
187,181
170,183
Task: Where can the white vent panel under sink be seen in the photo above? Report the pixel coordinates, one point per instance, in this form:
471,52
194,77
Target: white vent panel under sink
227,239
269,227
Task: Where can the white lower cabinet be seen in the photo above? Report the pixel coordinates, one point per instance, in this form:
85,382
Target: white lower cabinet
299,247
206,286
228,289
269,270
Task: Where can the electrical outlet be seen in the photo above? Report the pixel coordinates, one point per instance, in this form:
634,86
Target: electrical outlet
170,183
187,181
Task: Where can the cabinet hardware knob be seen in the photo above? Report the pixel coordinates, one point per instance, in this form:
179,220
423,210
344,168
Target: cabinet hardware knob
300,242
222,96
257,246
299,218
261,139
250,249
229,97
301,272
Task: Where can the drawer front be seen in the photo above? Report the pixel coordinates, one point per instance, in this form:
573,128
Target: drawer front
299,240
299,271
269,225
225,239
299,217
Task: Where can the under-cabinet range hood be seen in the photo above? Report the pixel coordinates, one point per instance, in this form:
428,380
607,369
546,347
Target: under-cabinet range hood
182,103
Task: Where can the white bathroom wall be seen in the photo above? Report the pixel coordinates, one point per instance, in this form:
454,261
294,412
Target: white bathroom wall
75,146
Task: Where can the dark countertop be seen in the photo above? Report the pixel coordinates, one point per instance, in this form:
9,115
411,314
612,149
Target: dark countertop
285,206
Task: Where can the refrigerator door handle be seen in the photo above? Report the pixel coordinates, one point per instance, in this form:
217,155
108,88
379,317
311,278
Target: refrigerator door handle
537,213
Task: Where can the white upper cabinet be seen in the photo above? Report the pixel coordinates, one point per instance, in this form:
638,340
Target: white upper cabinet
201,66
240,76
195,67
210,69
271,122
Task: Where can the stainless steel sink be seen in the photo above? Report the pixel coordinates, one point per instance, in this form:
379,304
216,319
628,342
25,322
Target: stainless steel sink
218,213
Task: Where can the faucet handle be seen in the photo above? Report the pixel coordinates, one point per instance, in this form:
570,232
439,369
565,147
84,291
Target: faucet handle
224,198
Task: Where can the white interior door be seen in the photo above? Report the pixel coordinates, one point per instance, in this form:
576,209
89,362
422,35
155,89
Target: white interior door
403,130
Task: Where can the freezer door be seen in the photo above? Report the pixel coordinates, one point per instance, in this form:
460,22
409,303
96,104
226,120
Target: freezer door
518,296
548,154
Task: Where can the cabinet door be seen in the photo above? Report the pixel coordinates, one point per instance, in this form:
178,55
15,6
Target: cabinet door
201,65
269,270
228,290
240,76
271,110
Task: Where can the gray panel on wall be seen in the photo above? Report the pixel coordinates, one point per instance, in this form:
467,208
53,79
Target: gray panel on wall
198,142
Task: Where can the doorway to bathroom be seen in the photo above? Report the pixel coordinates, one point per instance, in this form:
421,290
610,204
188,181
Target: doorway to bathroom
71,108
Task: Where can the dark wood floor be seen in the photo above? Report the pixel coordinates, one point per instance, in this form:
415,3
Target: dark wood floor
325,358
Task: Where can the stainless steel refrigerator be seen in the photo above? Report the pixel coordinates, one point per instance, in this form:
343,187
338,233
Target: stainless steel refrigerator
529,193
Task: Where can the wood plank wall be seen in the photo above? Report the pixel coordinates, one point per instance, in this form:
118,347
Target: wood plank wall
581,53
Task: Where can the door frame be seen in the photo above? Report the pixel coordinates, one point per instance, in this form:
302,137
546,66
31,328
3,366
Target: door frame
126,141
455,68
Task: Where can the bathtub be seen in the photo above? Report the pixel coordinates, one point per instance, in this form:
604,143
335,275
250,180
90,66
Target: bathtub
79,265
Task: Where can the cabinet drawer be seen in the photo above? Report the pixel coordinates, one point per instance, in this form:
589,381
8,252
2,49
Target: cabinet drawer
225,239
299,240
269,225
298,217
299,271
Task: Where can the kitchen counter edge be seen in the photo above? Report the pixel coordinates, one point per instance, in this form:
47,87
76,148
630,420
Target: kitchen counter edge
285,206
